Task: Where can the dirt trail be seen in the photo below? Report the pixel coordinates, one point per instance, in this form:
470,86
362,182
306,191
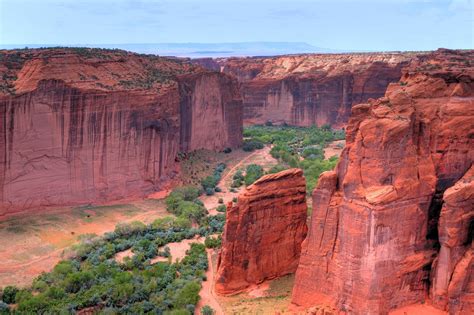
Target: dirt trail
208,296
261,157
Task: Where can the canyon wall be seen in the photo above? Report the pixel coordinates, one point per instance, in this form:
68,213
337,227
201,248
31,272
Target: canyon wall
401,190
313,89
263,232
210,111
90,125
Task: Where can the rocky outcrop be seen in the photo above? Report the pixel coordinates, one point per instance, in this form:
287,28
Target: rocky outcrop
263,232
375,232
453,280
313,89
89,125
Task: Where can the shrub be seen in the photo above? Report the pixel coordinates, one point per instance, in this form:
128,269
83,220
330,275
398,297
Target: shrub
253,172
124,229
186,193
221,208
9,294
227,150
4,309
313,153
209,182
276,169
234,199
210,191
252,145
207,310
211,242
189,294
220,200
171,222
237,179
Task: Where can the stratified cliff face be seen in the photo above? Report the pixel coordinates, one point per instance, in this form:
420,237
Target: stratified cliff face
89,125
311,89
375,231
263,232
211,112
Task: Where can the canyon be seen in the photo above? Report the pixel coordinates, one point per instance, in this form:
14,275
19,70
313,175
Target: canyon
391,226
90,125
310,89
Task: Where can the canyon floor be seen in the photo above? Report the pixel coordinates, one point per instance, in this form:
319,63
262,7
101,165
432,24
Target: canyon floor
32,243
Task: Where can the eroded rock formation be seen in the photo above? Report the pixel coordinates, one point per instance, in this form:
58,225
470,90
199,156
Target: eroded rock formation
304,90
374,233
89,125
263,232
453,276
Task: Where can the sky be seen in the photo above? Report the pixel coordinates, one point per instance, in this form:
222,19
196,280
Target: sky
358,25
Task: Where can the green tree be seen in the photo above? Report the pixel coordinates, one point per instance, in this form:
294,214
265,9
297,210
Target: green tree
189,294
253,172
207,310
9,294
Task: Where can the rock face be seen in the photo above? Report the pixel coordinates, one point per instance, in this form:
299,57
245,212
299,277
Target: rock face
89,125
210,111
374,237
453,281
263,232
312,89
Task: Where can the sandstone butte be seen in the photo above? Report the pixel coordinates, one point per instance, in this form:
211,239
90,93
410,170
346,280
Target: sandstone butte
263,232
89,125
393,224
311,89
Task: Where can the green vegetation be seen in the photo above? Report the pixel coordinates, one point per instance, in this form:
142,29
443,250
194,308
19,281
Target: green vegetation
93,278
252,173
209,183
298,147
252,145
183,203
96,277
8,294
213,242
237,179
207,310
221,208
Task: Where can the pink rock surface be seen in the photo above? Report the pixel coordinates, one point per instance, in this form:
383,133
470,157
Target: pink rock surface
82,126
304,90
263,232
373,234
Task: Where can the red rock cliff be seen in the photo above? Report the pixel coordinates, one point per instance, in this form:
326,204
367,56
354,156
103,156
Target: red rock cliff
263,232
374,234
312,89
89,125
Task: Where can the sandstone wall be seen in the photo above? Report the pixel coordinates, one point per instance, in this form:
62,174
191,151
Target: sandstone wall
210,112
311,89
263,232
373,234
62,145
86,126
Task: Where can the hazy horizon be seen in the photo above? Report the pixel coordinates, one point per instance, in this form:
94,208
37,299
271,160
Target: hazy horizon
341,25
